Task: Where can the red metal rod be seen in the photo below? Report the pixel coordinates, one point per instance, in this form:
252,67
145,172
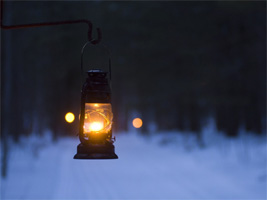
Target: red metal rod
89,24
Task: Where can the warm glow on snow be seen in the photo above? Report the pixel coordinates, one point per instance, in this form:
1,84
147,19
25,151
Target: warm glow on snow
96,126
137,123
69,117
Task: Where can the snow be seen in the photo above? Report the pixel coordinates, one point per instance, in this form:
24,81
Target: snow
163,166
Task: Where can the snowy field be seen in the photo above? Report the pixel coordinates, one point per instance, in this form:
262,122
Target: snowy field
165,166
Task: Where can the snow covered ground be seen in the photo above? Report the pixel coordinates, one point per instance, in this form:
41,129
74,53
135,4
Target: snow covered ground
165,166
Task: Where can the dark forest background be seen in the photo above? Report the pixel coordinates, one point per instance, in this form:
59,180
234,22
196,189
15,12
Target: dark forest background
175,63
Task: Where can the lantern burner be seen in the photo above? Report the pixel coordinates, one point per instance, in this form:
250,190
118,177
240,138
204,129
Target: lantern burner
96,151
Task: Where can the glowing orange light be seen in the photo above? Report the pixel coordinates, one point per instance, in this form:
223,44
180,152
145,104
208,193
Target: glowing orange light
69,117
96,126
97,118
137,123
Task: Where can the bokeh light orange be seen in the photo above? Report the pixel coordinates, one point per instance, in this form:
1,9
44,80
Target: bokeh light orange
69,117
137,123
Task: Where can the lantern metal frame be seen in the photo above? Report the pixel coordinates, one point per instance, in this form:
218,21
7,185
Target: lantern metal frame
96,89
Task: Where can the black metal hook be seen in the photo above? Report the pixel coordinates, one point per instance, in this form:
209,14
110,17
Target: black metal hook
99,37
90,35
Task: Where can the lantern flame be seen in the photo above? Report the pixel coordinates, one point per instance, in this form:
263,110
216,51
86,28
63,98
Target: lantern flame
96,126
97,118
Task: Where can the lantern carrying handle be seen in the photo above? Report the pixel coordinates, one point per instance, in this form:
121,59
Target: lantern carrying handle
94,42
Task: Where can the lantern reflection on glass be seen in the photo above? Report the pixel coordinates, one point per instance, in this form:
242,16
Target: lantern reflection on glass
98,118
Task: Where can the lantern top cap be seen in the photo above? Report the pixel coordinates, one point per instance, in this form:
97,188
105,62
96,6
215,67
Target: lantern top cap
95,71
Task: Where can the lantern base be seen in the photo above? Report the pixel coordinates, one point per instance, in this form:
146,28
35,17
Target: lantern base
95,151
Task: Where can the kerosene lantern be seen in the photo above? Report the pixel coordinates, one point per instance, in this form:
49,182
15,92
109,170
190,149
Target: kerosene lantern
95,131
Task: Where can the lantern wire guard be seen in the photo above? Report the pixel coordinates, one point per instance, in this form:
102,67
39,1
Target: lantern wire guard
95,129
